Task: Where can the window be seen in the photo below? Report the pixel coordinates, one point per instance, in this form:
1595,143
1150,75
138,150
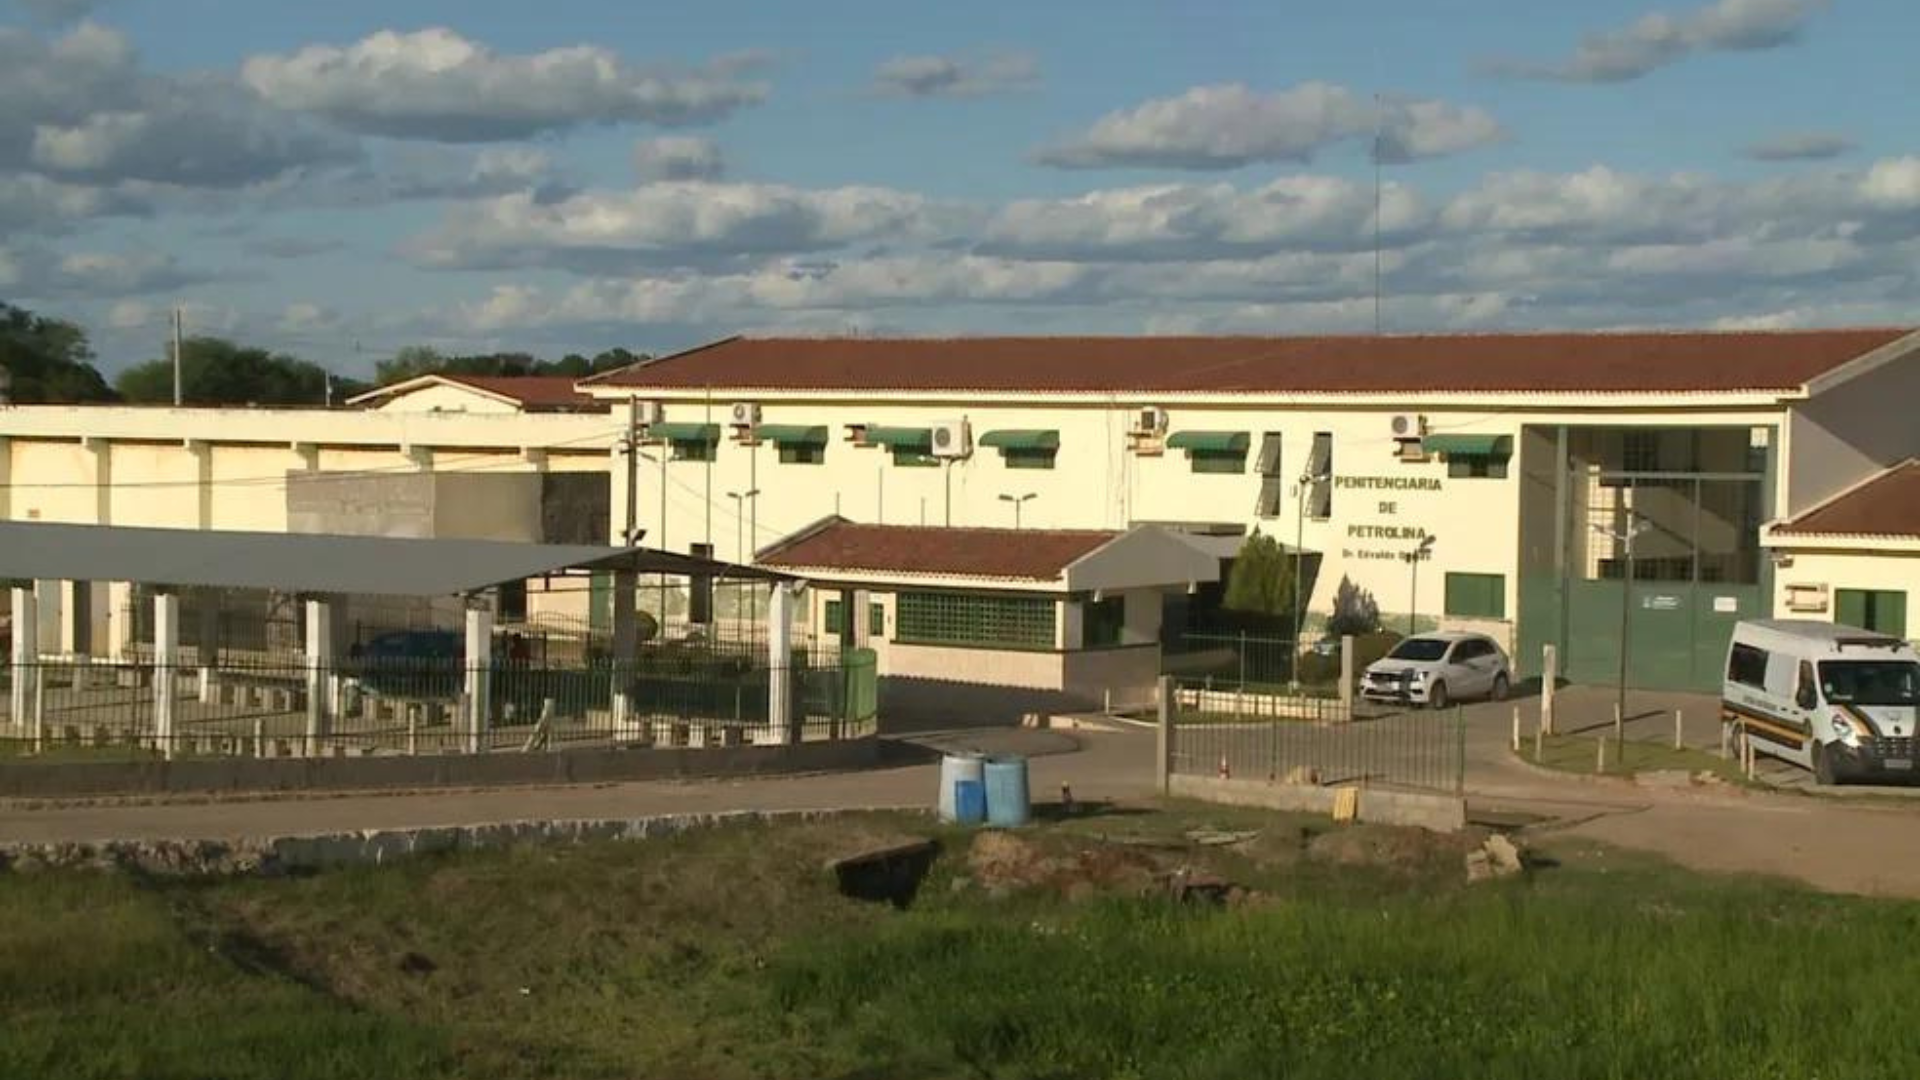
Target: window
1884,611
876,619
1002,622
693,450
1218,461
1320,472
831,618
1747,666
1271,485
1477,596
513,601
1103,622
1476,467
1021,457
799,453
914,459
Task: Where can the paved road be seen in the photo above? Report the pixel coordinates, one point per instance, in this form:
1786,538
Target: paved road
1832,845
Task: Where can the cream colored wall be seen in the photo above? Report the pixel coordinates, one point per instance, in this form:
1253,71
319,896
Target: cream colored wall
1098,483
1850,432
1891,570
987,667
442,398
53,482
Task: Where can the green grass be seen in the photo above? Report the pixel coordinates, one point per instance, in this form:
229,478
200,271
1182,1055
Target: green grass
727,954
1577,754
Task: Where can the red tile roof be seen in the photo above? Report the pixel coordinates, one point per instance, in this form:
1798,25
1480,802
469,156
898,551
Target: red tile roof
1026,554
1888,505
1675,362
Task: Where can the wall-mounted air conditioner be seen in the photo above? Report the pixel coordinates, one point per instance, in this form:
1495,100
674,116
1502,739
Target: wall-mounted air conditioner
648,413
1151,421
952,439
745,414
1408,426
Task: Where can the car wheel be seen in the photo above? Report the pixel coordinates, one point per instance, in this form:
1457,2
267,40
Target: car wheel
1823,773
1437,696
1500,687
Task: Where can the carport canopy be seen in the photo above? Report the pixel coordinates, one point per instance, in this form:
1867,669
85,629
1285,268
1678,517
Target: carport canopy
317,563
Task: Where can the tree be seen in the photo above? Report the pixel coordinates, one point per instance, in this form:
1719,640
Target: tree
49,360
215,371
1260,585
1354,611
417,360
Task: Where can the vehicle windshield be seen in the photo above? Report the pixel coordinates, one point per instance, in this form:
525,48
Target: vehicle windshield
1419,648
1870,682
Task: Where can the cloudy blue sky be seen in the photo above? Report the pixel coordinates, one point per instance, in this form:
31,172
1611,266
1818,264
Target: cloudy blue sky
342,179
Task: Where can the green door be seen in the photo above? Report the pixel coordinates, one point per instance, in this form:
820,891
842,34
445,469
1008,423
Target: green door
1881,610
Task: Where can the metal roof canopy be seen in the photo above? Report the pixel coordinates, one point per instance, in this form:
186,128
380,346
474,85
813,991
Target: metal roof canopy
315,563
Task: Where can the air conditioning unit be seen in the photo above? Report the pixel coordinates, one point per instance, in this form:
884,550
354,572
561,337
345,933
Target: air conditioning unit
1151,421
746,414
1408,426
952,439
648,413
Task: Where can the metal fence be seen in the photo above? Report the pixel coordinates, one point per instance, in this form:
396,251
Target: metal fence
1252,660
1282,737
250,706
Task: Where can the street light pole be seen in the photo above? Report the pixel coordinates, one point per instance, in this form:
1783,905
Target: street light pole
1018,501
741,501
1625,539
1414,558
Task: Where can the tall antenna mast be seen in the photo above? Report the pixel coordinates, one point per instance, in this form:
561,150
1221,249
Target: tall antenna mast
1378,136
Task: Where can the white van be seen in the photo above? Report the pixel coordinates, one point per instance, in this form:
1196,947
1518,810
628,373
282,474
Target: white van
1838,700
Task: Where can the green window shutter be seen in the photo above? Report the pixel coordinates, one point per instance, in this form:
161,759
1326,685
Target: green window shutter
1476,596
877,619
1221,441
901,438
830,618
1883,611
913,459
692,450
1024,458
802,453
1218,461
1022,439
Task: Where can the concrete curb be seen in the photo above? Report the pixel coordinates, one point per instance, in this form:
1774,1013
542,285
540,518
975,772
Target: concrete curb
1441,813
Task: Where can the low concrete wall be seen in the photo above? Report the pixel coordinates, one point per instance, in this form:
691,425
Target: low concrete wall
83,779
1441,813
292,854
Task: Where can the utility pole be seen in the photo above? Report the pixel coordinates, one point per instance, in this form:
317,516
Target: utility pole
632,445
1624,537
1414,558
177,394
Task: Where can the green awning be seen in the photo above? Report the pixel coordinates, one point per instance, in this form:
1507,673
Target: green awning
1225,442
1022,439
700,433
1487,446
793,434
901,438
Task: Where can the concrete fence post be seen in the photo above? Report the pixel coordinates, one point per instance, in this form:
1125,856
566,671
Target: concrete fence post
1549,676
780,663
21,708
166,662
319,662
626,649
1163,738
1679,738
479,689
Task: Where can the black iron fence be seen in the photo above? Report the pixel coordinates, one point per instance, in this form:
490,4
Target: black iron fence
63,710
1283,737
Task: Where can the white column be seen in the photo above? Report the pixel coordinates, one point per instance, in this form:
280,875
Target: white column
779,663
120,620
625,644
319,674
22,705
49,597
861,601
479,670
166,661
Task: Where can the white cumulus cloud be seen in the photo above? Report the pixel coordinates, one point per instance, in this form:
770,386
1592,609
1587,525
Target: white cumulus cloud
932,75
1231,125
1659,39
435,84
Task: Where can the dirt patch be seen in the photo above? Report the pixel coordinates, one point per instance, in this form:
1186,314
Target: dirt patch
1401,849
1003,863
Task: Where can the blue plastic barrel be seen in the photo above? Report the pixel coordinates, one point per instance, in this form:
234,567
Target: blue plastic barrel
1007,801
969,802
955,769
